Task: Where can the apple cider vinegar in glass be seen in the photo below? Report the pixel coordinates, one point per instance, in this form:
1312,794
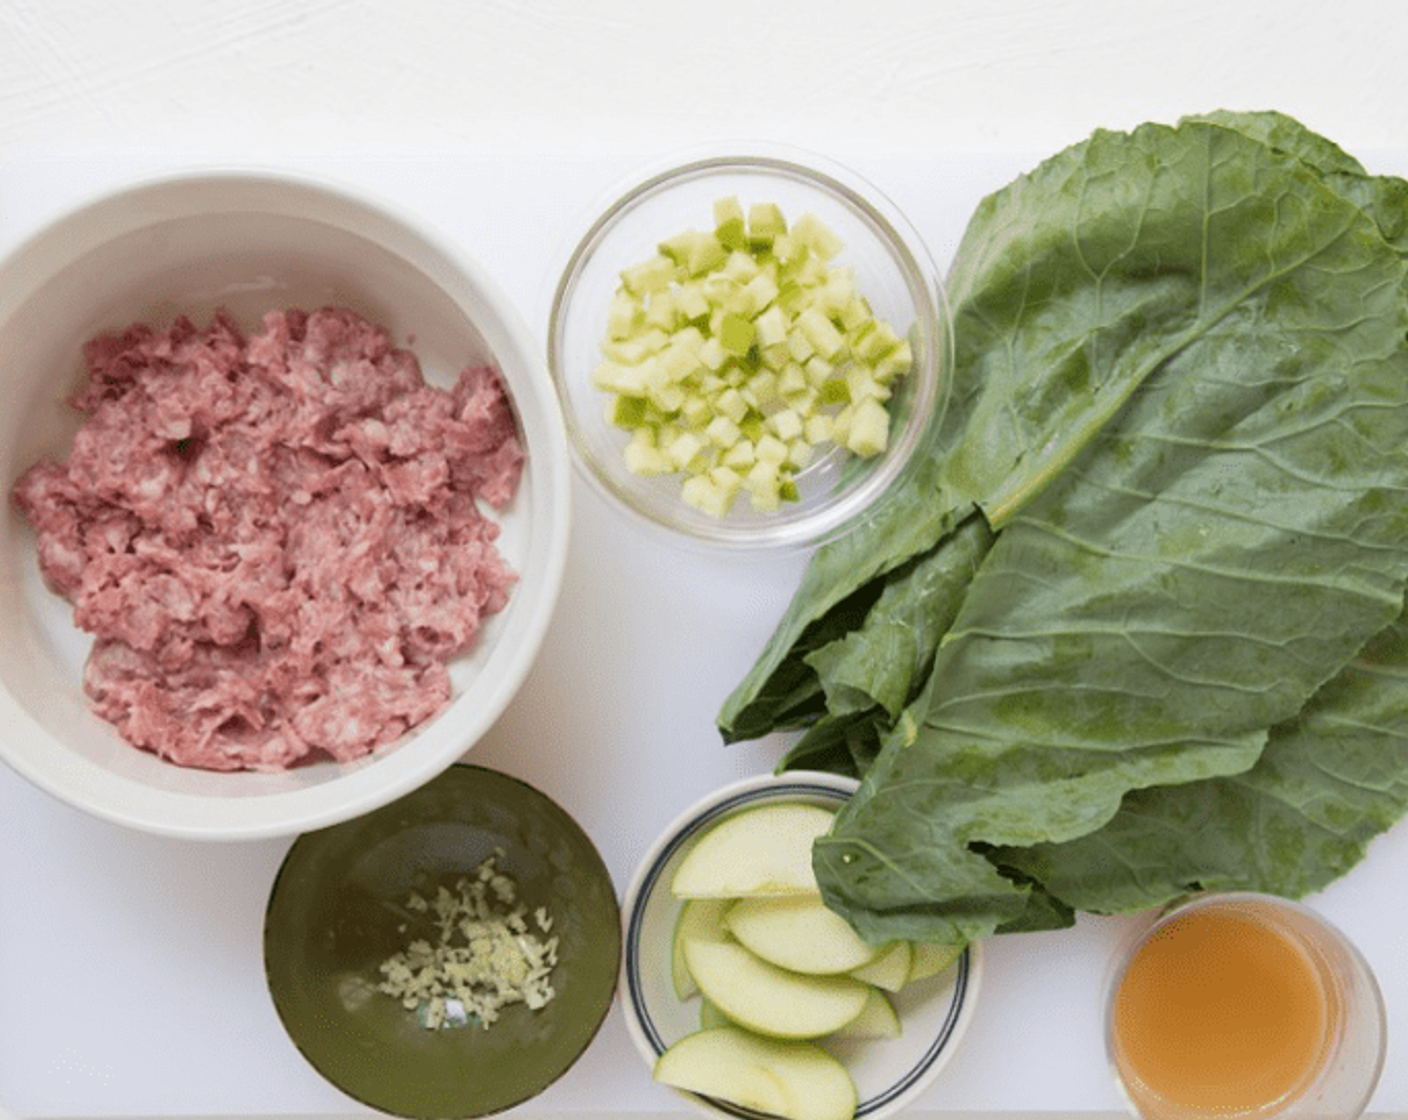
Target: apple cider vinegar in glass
1221,1012
1244,1006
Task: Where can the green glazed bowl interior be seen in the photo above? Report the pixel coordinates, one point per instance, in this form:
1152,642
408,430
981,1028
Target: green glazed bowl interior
335,913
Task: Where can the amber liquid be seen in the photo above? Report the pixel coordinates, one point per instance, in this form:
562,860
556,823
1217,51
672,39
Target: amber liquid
1219,1013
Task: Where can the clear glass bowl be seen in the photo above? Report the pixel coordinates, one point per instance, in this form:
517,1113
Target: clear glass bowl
892,269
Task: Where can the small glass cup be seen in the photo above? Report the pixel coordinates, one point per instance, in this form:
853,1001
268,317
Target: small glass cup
1244,1006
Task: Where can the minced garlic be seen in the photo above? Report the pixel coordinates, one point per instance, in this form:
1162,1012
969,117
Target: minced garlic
485,955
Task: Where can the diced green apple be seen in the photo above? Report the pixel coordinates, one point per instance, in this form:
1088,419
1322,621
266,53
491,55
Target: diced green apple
790,1079
735,333
643,457
766,850
768,999
628,412
801,933
896,362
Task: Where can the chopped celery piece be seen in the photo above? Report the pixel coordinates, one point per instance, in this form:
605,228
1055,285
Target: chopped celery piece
629,412
870,428
765,223
787,425
772,326
821,332
622,316
835,391
695,251
730,223
736,334
817,236
652,275
736,351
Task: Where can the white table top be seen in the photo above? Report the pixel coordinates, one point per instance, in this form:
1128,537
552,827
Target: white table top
131,978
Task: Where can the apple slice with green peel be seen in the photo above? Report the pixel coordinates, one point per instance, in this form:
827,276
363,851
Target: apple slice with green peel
711,1016
700,918
877,1019
929,958
889,969
787,1078
800,933
726,1063
768,999
761,851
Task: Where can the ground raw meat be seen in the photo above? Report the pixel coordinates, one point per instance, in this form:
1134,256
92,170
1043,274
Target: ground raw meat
277,542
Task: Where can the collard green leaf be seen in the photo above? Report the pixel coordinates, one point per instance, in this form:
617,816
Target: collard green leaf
1330,780
1286,134
1188,439
847,576
840,584
886,661
1094,262
1077,282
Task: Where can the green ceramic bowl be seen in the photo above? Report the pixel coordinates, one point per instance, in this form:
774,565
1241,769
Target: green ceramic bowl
337,912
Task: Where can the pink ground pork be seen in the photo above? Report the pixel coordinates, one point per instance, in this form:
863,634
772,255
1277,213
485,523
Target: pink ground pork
277,541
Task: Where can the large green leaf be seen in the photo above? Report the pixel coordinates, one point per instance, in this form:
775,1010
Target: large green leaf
886,660
1192,458
1099,263
1330,780
840,585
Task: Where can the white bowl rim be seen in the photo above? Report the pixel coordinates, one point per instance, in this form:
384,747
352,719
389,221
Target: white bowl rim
383,777
727,799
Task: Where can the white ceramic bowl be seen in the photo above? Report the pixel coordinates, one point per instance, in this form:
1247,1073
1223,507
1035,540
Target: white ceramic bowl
889,1073
892,269
250,242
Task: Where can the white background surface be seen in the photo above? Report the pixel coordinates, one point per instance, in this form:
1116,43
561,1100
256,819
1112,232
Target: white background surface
130,969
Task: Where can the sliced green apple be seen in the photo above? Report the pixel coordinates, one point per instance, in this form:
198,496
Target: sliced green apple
699,918
930,958
889,969
711,1016
787,1078
762,851
877,1019
768,999
800,933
